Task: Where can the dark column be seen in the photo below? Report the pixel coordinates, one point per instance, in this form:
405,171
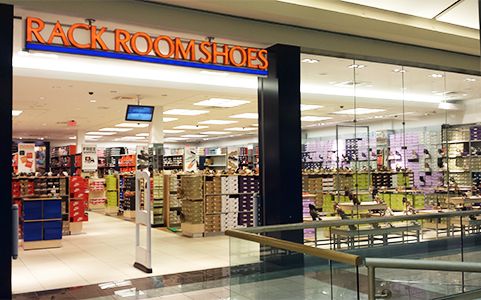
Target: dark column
280,140
6,44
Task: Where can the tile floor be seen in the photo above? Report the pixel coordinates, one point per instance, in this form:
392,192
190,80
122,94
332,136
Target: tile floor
105,252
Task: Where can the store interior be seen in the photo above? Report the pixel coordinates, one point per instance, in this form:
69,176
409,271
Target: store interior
203,156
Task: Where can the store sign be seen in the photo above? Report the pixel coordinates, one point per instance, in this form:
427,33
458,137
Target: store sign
89,158
26,158
91,40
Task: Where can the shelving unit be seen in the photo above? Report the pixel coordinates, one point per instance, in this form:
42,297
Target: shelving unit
172,201
127,195
157,184
42,226
173,162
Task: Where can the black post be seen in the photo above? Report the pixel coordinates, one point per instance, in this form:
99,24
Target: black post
6,48
280,140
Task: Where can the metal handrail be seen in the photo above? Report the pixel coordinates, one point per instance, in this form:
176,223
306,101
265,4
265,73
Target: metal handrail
413,264
345,258
335,223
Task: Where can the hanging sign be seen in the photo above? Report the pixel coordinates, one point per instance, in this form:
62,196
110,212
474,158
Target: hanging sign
91,40
89,158
26,158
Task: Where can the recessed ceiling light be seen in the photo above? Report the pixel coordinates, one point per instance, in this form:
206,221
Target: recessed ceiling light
310,61
190,127
471,79
93,101
215,132
42,138
305,107
115,129
100,133
221,74
245,116
358,111
356,66
378,117
314,118
218,122
142,134
399,70
436,75
172,131
133,125
16,113
165,120
241,129
174,139
194,135
220,102
72,137
92,137
185,112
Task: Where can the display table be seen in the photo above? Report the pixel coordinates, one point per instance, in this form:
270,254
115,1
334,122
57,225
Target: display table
371,205
465,200
373,234
42,227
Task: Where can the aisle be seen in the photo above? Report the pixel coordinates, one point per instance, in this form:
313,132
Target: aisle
106,251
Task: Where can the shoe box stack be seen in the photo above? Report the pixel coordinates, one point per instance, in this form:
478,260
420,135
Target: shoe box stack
328,183
312,184
112,191
213,203
477,179
127,193
157,186
174,201
248,186
343,181
230,202
457,134
79,195
97,193
382,180
352,152
362,181
192,194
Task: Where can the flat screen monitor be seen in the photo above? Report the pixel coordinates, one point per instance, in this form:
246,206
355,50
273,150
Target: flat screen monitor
139,113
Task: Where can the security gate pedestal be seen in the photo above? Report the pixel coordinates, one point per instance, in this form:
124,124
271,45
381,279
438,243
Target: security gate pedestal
143,254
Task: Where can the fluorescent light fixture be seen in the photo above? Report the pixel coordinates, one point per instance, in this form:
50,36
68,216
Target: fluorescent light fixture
245,116
470,79
16,113
115,129
165,120
93,101
194,135
142,134
185,112
213,73
358,111
72,137
436,75
100,133
218,122
241,129
310,61
220,102
305,107
314,118
132,138
397,70
172,131
448,106
133,125
92,137
356,66
255,125
215,132
191,127
174,139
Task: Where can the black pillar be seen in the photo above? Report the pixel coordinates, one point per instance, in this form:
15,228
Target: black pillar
6,48
280,140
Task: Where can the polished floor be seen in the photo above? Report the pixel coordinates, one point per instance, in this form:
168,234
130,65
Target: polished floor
105,252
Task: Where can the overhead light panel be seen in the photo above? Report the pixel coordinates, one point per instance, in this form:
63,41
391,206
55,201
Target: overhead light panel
100,133
174,139
241,129
172,131
190,127
314,118
72,137
16,113
358,111
305,107
310,61
142,134
397,70
436,75
194,135
133,125
185,112
115,129
167,119
356,66
92,137
470,79
220,102
245,116
218,122
215,132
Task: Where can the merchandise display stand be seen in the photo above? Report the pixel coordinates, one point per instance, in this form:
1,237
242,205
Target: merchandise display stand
97,194
42,226
158,216
111,186
143,254
172,201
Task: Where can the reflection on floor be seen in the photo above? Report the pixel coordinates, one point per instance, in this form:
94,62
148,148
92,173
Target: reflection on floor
106,252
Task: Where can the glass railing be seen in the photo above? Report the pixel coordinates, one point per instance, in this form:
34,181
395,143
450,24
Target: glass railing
263,268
